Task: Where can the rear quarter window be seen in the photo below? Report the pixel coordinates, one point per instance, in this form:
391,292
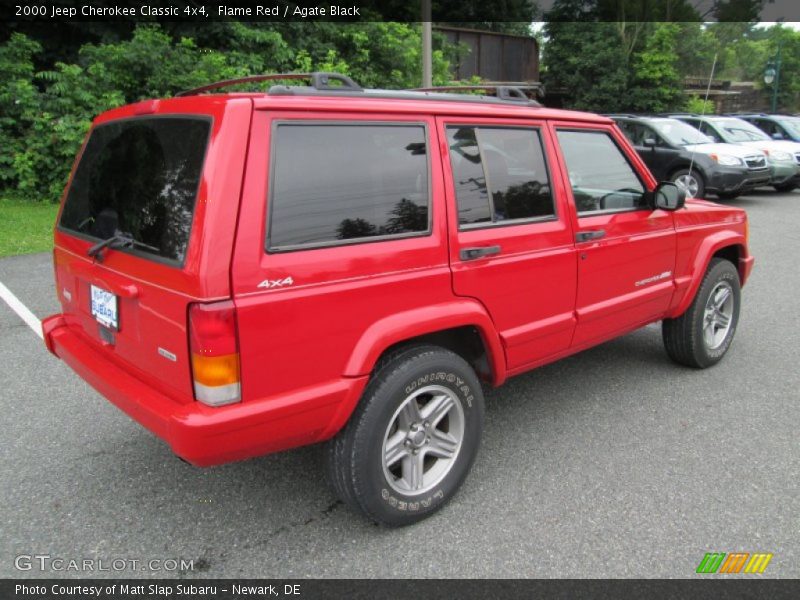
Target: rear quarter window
334,184
139,177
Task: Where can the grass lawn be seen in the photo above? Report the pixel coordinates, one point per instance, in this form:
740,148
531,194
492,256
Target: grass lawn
26,227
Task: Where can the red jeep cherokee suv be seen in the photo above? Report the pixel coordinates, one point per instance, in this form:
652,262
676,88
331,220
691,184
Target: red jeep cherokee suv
244,273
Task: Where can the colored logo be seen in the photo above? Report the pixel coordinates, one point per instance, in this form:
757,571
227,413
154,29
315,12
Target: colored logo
735,562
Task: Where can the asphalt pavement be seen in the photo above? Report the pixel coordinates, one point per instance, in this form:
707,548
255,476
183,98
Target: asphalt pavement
612,463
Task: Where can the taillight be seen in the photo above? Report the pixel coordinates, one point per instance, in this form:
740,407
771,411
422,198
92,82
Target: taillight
215,353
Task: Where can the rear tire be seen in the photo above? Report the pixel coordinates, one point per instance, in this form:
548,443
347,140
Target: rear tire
728,195
412,439
701,336
691,181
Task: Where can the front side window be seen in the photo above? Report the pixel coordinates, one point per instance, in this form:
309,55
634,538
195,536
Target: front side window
602,179
139,177
344,183
709,130
499,174
649,133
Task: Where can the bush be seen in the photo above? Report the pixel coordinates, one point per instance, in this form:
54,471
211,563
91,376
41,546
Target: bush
46,115
19,100
695,104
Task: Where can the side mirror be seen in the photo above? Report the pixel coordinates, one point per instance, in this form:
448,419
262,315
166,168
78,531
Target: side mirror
669,196
777,135
650,142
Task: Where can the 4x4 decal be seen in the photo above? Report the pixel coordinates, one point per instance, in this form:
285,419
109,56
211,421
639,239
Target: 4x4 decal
276,283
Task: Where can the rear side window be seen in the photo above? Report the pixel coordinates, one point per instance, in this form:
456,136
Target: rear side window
334,184
499,175
139,177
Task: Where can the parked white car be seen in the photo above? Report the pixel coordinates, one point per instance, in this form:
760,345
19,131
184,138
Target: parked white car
783,155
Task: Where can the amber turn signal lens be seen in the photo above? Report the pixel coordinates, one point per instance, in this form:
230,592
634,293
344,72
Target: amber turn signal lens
216,370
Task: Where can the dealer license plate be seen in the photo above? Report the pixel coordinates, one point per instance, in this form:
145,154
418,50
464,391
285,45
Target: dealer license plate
104,307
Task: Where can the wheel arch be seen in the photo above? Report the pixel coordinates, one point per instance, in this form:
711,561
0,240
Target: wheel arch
442,324
462,326
727,245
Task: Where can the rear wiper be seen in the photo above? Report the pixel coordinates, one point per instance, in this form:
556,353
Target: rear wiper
118,240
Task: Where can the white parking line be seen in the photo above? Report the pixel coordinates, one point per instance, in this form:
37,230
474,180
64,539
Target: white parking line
22,311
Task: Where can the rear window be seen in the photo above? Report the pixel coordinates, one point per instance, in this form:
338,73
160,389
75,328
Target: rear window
139,177
336,184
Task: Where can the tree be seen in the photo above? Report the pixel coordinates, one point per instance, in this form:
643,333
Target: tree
656,83
789,83
606,56
587,63
47,107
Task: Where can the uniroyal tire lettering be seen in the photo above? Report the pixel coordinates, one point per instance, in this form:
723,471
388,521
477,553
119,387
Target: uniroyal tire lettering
440,376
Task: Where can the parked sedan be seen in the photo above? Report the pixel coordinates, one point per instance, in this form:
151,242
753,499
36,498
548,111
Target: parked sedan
783,156
677,152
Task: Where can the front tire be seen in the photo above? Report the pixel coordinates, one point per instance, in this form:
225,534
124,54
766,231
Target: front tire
692,182
701,336
412,439
785,187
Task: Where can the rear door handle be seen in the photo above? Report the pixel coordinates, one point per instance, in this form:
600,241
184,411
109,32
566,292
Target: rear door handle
585,236
473,253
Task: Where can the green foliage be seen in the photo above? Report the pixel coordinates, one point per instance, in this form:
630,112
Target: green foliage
696,104
696,50
18,99
375,55
45,115
586,62
656,82
789,82
600,61
624,55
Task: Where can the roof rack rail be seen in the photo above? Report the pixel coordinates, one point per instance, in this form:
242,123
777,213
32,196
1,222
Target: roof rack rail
508,93
319,81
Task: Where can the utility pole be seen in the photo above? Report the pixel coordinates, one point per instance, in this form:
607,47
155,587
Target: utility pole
427,69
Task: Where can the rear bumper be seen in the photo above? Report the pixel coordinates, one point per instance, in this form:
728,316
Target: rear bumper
203,435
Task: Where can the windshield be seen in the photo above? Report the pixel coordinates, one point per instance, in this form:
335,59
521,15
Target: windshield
792,124
738,130
139,178
679,133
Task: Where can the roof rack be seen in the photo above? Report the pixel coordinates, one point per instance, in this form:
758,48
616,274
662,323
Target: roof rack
319,81
508,93
326,84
